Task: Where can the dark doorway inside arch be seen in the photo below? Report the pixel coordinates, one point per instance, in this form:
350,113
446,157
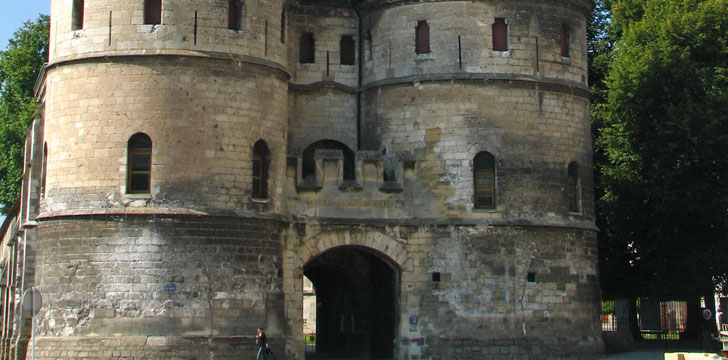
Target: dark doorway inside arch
309,164
356,304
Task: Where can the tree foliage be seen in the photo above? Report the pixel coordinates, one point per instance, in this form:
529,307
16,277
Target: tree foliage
20,65
663,131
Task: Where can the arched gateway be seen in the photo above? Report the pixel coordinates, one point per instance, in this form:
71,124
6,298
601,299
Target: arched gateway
356,276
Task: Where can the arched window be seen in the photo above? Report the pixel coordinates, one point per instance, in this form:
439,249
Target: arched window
500,35
574,188
309,163
152,12
139,164
484,180
77,15
235,14
261,158
44,163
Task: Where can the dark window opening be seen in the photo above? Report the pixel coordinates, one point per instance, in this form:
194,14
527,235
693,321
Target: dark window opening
347,50
283,26
307,49
309,164
44,165
422,37
573,187
235,15
531,277
152,12
564,40
368,47
139,164
261,160
436,277
77,15
484,180
500,35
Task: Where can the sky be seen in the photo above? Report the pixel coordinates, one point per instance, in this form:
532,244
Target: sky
14,13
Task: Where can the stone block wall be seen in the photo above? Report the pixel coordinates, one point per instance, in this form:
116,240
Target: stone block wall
327,24
116,27
202,115
322,114
533,40
533,133
161,279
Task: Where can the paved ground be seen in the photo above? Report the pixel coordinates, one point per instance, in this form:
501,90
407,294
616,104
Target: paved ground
660,355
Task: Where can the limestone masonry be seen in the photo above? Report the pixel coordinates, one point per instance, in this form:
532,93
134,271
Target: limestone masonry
425,164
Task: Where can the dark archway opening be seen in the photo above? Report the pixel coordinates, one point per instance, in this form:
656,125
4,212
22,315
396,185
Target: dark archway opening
356,304
309,164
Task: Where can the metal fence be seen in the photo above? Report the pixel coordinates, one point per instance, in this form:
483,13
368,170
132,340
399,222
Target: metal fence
657,320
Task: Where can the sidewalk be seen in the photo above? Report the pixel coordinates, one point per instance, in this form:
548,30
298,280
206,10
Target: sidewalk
662,355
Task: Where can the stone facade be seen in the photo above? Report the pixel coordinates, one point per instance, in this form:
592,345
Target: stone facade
368,179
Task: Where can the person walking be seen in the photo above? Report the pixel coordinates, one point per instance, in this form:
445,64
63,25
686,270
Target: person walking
262,343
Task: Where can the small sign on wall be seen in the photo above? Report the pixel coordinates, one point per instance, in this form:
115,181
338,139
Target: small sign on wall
170,287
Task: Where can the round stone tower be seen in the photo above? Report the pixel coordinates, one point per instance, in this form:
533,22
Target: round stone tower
426,165
157,237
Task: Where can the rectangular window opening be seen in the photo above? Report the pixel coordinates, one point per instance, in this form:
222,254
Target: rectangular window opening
77,15
307,49
152,12
422,37
235,15
564,40
500,35
347,50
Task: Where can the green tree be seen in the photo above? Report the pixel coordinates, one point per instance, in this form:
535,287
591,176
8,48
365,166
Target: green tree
664,206
20,65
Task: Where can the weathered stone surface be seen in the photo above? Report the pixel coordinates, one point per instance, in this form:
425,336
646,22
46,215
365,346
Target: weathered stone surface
189,270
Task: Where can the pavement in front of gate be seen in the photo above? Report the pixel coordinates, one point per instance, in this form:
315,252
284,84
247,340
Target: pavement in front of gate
662,355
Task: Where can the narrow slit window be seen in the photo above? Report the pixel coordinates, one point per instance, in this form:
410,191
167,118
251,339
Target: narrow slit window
422,37
573,188
307,49
139,164
283,26
235,15
260,170
44,165
564,40
152,12
484,180
77,15
347,50
500,35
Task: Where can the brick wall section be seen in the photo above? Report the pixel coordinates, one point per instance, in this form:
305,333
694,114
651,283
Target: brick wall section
202,115
159,276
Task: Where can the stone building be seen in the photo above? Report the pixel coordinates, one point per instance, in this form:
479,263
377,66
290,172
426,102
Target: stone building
426,164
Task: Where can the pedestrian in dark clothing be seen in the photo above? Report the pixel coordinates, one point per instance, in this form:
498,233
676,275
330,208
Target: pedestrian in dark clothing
262,342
